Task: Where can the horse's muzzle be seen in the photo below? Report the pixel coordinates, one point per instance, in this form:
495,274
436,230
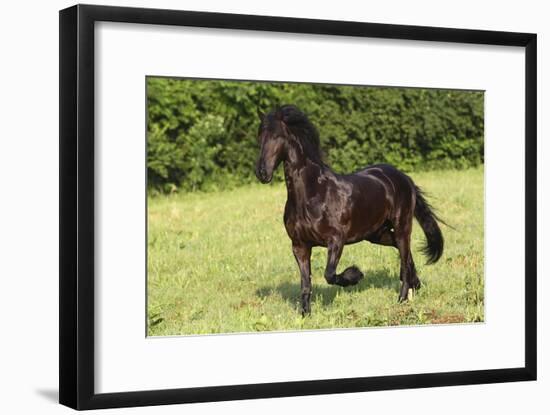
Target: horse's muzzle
262,175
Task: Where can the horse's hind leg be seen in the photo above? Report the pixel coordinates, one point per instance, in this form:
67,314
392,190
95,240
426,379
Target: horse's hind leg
414,280
407,272
351,275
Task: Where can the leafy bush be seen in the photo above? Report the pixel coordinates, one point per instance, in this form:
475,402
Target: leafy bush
201,134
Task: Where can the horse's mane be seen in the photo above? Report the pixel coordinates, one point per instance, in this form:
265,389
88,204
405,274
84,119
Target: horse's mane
301,128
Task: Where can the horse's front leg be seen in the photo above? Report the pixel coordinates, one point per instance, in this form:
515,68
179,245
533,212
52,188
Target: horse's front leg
302,253
351,275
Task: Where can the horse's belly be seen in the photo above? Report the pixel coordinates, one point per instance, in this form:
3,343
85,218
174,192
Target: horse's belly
367,217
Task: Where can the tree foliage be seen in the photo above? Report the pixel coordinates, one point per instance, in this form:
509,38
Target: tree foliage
201,134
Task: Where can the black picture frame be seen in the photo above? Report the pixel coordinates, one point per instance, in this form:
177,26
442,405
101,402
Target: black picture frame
76,279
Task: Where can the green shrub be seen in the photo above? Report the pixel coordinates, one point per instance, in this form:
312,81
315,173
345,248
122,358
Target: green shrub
201,134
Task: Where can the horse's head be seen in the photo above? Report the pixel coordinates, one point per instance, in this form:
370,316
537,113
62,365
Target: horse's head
285,134
273,135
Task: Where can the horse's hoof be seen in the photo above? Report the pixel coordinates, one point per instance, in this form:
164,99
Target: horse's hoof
401,299
352,275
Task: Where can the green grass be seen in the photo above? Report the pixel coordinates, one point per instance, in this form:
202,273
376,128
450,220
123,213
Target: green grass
222,262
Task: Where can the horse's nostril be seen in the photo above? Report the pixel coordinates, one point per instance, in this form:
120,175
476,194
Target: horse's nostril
261,172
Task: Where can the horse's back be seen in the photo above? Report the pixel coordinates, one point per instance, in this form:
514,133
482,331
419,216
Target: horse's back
391,176
387,169
384,181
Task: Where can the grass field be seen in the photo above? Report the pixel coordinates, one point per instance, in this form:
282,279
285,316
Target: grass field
222,262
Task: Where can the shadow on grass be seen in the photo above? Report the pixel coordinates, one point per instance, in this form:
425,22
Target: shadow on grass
290,291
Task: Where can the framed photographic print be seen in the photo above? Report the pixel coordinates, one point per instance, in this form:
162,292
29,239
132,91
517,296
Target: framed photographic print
257,206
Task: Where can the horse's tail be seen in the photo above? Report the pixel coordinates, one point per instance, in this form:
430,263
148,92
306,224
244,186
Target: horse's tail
423,212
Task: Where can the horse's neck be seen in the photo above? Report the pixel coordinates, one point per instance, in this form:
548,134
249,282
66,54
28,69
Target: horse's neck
300,173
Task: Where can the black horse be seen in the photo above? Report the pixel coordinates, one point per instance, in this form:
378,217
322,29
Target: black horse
323,208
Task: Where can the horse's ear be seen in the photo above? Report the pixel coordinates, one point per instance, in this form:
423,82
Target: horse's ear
261,115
